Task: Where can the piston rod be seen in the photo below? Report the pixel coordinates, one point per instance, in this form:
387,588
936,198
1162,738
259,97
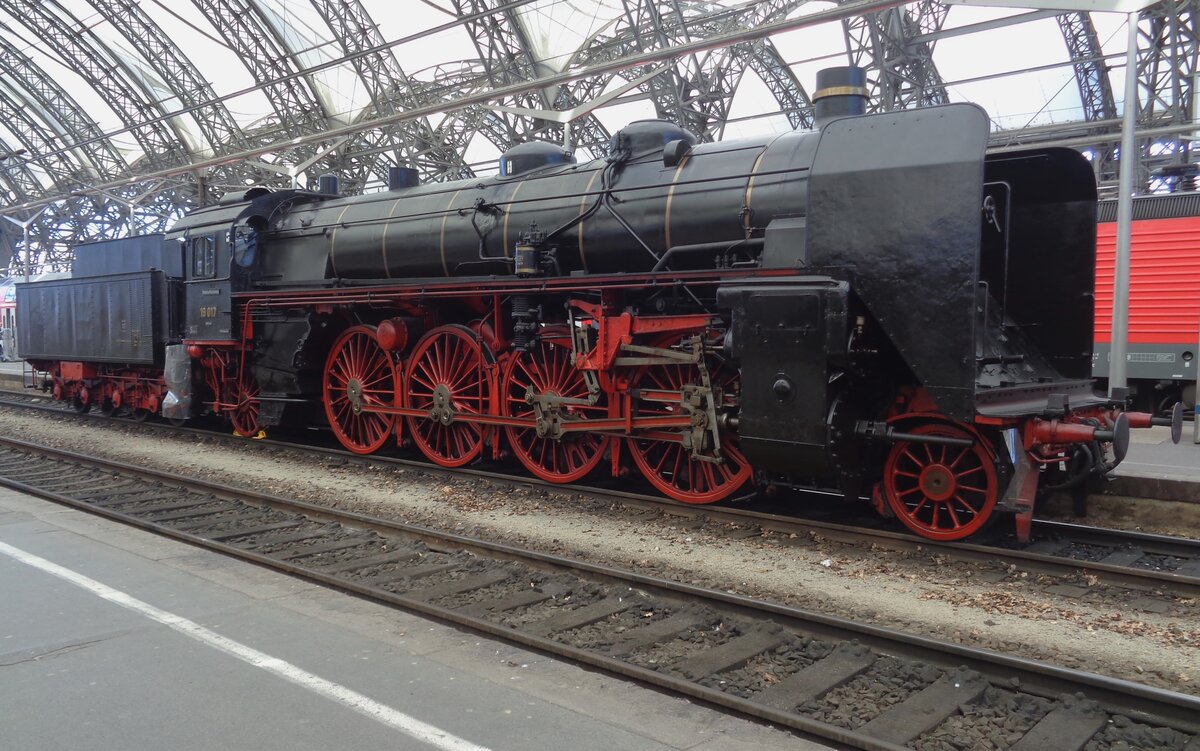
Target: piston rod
878,431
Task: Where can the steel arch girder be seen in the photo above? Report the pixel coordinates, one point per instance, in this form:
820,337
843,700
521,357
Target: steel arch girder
793,100
22,184
1167,65
698,94
250,37
94,62
40,143
1091,74
70,118
505,57
885,42
215,120
390,89
85,218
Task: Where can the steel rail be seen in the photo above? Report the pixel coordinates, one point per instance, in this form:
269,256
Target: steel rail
1184,585
1146,703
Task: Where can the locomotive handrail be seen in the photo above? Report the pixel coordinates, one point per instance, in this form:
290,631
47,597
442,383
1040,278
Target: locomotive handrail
368,292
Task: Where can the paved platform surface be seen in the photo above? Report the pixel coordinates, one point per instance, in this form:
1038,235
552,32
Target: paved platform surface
1151,454
10,375
1157,468
114,638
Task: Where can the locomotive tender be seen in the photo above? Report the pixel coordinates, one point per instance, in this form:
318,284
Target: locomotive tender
873,306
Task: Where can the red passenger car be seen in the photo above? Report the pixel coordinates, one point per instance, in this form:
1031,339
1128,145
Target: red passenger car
1164,292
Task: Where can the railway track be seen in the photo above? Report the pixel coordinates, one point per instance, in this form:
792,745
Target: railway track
862,686
1123,558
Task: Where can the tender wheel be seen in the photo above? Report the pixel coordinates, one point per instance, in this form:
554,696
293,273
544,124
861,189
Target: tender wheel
359,373
667,464
941,492
244,415
446,380
547,369
80,406
107,407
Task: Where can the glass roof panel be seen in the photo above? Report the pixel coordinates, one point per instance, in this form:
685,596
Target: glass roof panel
754,111
306,35
205,49
419,56
65,76
556,29
1013,100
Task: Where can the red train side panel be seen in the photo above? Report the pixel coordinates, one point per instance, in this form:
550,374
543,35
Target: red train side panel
1164,305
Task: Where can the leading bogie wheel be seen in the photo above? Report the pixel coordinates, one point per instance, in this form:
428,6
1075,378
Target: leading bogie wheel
448,381
546,369
360,374
941,492
669,465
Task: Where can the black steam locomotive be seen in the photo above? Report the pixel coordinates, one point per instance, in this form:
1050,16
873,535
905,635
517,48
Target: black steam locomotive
874,306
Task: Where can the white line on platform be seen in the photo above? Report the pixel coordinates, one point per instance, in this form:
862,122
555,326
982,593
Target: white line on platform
393,718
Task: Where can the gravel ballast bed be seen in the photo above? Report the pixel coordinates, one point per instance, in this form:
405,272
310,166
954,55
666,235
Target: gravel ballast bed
918,592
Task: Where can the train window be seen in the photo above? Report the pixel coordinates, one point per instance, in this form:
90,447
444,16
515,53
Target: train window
245,246
204,257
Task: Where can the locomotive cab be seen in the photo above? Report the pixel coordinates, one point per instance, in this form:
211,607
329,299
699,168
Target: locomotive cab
209,312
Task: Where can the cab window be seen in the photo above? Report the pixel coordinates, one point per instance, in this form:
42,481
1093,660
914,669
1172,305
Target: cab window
204,257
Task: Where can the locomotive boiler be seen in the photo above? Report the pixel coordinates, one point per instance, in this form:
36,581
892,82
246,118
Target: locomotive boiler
873,306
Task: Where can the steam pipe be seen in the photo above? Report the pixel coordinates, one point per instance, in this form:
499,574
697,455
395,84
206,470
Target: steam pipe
754,242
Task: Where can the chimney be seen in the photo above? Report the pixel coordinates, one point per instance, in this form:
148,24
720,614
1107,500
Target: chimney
841,92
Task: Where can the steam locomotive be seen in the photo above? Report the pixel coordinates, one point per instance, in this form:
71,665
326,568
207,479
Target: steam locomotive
873,306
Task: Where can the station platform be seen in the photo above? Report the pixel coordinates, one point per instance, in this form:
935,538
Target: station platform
1157,468
11,375
112,637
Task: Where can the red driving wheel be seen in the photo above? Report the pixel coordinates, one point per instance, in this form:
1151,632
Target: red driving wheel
668,465
359,374
447,381
547,369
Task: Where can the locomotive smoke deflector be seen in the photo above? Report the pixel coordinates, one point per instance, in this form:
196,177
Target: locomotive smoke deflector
918,176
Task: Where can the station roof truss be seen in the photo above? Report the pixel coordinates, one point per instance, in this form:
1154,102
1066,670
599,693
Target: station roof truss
117,116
